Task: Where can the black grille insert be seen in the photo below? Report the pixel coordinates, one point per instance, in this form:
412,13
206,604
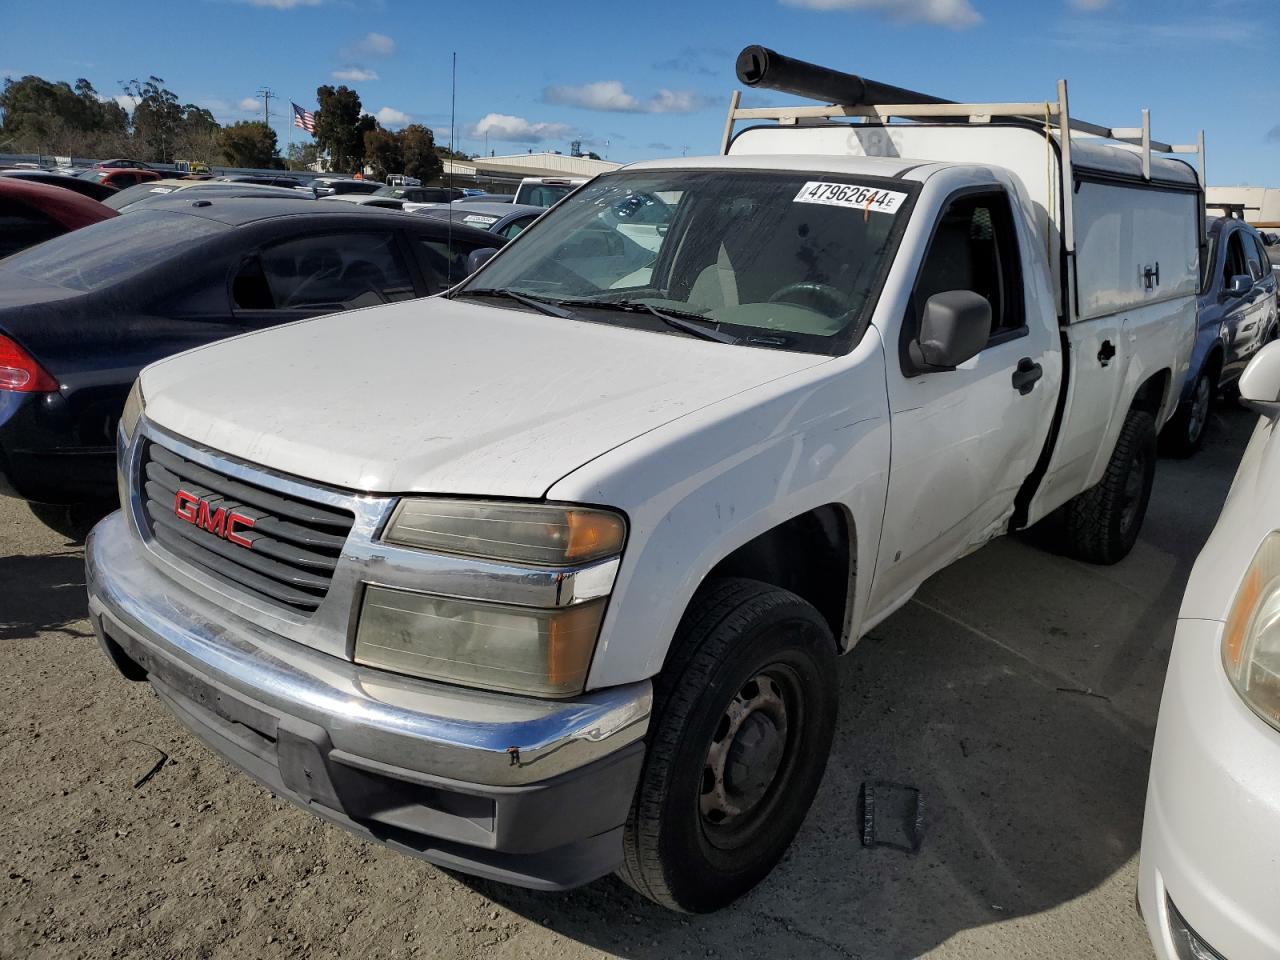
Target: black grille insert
295,543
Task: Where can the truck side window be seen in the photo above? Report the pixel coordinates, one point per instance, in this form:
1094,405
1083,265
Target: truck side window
975,247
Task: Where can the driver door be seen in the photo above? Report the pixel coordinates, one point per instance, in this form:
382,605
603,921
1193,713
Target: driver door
964,440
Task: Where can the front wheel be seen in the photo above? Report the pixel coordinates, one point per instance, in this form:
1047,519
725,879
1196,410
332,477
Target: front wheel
1101,525
745,710
1184,433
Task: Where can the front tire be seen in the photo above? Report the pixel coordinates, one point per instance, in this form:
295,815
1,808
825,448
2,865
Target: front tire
1184,433
1102,524
745,710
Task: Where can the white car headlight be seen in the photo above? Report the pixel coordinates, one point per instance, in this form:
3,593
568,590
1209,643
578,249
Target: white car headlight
133,407
1251,639
544,651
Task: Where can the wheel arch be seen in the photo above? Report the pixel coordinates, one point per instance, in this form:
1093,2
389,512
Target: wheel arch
814,554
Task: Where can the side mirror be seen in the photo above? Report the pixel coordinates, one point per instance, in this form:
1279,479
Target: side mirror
955,326
1260,382
1240,286
479,258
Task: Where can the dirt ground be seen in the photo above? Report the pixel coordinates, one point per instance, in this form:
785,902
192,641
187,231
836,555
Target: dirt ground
1018,692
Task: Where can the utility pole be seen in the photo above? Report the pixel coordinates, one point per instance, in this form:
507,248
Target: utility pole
266,93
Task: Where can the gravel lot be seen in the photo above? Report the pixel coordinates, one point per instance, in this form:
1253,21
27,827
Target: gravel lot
1018,692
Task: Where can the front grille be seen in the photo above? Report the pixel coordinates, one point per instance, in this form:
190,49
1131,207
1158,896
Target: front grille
295,543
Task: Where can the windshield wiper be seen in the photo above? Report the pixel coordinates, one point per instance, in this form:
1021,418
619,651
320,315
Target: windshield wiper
689,323
537,303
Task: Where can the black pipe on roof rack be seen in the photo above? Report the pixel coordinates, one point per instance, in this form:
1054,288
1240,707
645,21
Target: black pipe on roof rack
761,67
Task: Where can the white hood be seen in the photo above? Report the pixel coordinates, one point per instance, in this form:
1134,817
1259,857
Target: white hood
438,396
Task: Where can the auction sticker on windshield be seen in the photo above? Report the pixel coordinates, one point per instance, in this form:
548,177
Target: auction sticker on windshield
850,195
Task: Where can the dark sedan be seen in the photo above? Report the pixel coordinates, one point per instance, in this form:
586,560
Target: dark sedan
82,314
87,188
1236,317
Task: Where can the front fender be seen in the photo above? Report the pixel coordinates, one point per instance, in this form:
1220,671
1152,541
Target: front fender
701,486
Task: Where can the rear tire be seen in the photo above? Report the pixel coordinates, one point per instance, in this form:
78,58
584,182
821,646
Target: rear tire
1184,434
744,713
1102,524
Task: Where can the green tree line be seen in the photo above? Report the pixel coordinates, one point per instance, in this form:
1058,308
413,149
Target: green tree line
57,118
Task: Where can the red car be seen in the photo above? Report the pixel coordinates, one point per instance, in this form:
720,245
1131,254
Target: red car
119,179
34,212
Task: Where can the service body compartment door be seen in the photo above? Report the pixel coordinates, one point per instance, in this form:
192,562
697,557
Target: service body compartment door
1135,276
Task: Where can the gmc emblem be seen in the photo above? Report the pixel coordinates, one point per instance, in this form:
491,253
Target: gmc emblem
196,511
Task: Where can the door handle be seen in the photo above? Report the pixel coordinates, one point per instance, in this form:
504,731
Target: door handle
1025,377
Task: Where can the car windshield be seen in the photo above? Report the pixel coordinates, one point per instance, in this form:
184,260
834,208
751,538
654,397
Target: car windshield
105,253
789,260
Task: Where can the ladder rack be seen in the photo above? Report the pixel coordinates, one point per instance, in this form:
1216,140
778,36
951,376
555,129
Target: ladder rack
1048,112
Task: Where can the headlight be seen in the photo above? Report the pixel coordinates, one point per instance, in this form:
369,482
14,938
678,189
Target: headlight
1251,639
545,652
520,532
133,406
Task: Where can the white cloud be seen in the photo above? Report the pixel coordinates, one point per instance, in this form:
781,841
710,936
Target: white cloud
127,101
501,126
956,14
612,96
391,117
354,74
1090,5
249,103
372,45
285,4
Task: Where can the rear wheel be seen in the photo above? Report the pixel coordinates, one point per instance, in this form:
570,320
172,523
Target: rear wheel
744,714
1101,525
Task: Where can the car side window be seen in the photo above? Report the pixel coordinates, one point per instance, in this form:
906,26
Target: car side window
1234,265
516,226
1258,258
22,227
975,247
1251,256
339,271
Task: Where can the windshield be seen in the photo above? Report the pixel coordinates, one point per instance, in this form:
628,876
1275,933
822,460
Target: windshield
111,251
791,260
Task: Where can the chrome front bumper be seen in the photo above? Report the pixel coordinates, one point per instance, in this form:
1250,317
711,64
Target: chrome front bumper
515,776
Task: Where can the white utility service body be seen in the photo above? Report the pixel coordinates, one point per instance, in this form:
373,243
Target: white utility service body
795,494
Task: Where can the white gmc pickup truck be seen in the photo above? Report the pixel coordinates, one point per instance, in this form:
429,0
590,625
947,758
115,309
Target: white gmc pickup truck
546,577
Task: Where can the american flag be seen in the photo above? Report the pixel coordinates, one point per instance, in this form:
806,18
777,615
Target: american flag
303,118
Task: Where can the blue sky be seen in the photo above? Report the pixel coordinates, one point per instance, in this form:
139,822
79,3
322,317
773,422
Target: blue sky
640,79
